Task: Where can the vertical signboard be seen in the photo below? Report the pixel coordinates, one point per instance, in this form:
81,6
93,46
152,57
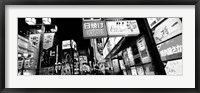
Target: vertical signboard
168,29
143,51
94,29
48,40
34,39
122,28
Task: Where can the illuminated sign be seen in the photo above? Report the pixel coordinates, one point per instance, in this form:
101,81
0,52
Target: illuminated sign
143,51
66,44
168,29
94,29
171,49
154,21
48,40
122,28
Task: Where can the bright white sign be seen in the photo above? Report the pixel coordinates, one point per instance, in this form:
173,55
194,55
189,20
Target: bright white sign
66,44
168,29
174,67
122,28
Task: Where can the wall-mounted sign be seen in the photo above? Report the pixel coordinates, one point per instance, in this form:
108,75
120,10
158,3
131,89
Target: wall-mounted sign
171,49
174,67
66,44
122,28
154,21
94,29
168,29
143,50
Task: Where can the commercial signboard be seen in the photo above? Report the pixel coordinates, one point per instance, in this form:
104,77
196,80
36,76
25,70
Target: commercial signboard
143,50
174,67
168,29
154,21
66,44
34,39
171,49
48,40
122,28
94,29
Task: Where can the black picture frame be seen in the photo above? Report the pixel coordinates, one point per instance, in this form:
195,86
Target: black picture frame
3,3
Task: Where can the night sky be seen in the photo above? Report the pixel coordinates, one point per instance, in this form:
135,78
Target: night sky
68,28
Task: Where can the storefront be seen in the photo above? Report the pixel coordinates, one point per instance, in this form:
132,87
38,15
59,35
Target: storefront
155,50
27,57
168,39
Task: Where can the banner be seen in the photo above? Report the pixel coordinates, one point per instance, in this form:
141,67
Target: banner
34,39
48,40
122,28
94,29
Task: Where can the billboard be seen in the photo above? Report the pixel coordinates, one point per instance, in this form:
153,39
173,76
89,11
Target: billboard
168,29
122,28
171,49
94,29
